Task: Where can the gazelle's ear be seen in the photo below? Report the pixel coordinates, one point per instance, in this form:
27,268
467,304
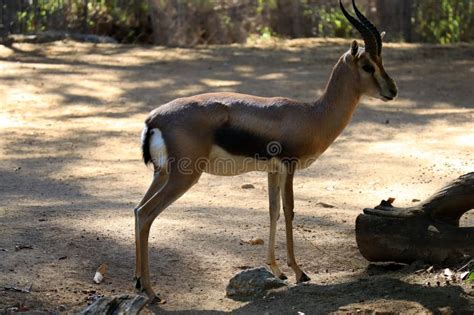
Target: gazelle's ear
382,35
354,48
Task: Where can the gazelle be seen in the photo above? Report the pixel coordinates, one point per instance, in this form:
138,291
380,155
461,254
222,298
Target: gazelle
203,133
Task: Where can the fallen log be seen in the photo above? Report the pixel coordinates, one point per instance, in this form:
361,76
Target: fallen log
125,304
428,231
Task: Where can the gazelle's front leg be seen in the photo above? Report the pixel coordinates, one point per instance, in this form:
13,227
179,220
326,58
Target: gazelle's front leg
274,201
288,205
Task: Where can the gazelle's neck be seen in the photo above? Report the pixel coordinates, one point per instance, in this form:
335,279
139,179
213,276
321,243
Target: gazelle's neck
335,107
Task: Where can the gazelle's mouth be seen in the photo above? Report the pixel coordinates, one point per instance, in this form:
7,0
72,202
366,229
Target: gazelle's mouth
387,98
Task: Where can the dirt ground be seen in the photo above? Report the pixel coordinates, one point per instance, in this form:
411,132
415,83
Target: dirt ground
71,173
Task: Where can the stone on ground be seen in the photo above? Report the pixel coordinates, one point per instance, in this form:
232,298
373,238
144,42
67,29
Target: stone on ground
252,283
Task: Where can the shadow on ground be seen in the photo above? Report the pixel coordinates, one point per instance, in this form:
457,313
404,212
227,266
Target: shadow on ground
314,298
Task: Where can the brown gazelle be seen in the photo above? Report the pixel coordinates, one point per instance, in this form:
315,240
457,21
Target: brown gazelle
230,134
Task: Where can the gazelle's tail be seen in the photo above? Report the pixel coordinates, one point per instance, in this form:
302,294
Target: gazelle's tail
146,145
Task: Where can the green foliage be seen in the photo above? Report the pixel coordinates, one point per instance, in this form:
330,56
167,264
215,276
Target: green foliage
225,21
266,33
444,21
105,17
470,277
34,18
265,4
333,23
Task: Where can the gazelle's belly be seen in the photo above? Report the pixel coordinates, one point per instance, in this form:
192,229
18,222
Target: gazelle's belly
220,162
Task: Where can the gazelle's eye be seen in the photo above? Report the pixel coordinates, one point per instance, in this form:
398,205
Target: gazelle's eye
368,68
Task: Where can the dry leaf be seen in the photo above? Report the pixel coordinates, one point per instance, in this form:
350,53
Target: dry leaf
20,247
257,241
325,205
247,186
100,273
390,200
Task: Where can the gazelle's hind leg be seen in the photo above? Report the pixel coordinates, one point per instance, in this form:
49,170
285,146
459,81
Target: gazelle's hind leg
288,206
160,177
274,201
176,185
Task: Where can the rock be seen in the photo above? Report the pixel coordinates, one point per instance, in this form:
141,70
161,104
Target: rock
414,266
252,283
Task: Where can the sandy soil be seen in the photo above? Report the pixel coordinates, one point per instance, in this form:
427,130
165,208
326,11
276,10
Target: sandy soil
70,175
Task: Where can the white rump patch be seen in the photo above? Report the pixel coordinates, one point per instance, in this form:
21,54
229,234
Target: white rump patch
158,152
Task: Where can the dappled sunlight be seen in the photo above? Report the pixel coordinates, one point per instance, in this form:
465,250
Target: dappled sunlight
191,89
432,150
272,76
465,140
26,95
244,69
152,84
9,121
220,83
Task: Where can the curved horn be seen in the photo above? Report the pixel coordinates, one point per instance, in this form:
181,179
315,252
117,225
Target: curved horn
370,42
370,26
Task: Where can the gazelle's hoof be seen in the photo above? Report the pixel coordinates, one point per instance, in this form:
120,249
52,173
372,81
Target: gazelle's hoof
283,276
155,299
138,285
303,278
148,292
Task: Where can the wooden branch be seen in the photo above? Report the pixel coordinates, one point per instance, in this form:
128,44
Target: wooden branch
125,304
428,231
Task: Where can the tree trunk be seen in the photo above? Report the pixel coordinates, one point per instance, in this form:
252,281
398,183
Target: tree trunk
159,21
8,21
85,17
388,17
407,12
428,231
296,19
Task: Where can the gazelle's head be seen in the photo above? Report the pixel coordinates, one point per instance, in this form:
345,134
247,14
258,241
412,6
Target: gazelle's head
367,62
